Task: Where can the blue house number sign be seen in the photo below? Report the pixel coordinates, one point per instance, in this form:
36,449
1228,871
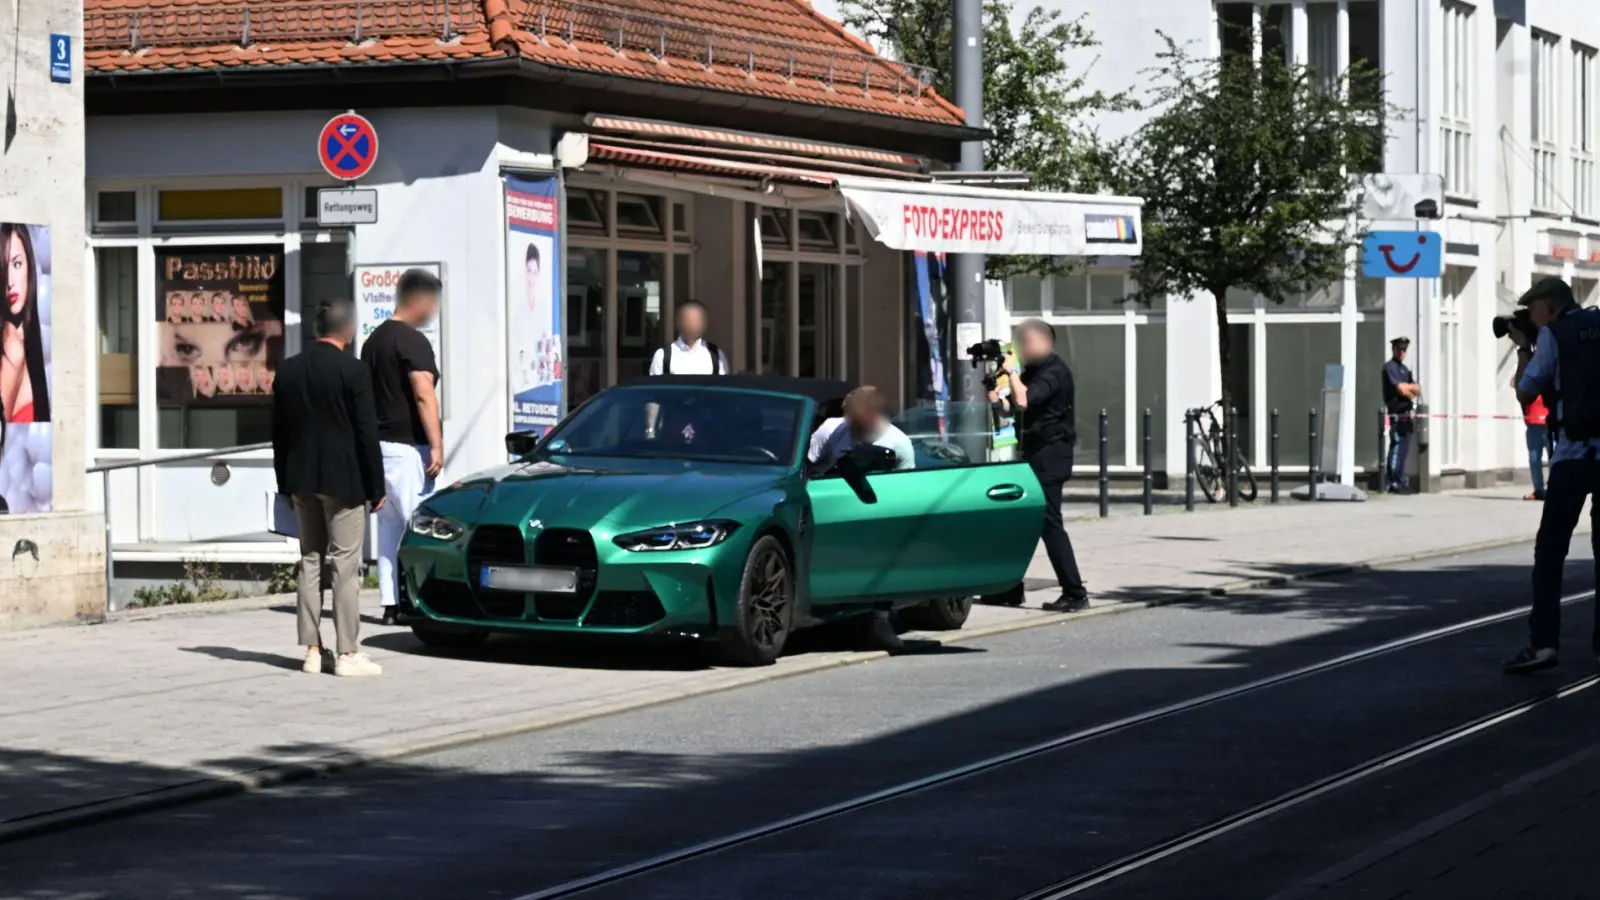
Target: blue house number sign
61,58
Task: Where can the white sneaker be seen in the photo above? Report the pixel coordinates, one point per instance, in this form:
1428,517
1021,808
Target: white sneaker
355,665
313,663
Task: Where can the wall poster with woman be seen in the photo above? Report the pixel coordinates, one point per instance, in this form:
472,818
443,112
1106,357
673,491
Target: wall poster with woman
25,377
220,325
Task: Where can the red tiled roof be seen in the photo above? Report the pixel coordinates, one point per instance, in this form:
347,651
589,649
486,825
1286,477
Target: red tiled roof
780,49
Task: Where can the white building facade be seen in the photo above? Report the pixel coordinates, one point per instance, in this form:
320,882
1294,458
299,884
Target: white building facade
1500,100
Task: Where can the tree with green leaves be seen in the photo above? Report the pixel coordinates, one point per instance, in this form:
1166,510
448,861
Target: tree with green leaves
1038,108
1246,170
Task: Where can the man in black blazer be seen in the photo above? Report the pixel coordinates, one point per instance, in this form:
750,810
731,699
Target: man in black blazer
325,451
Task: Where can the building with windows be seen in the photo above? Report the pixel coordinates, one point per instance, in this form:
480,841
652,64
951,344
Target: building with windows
51,539
1501,103
777,170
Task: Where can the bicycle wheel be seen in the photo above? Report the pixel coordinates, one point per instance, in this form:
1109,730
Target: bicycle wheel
1247,481
1208,472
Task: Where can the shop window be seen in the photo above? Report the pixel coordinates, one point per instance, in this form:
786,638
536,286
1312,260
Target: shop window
220,337
586,310
1069,293
1370,292
1107,293
853,325
309,202
1027,295
1328,298
775,227
221,205
1372,351
818,292
774,336
116,210
1150,390
639,216
680,220
818,231
117,292
1297,355
586,211
639,301
324,275
1098,357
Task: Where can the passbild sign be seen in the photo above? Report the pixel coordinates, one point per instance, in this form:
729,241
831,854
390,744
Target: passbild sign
995,222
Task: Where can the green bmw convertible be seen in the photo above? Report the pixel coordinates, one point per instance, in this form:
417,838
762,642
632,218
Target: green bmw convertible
683,506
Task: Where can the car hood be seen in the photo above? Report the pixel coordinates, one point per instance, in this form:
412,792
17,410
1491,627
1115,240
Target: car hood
567,497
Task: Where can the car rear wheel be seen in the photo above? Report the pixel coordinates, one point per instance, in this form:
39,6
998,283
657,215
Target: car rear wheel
764,615
948,614
449,640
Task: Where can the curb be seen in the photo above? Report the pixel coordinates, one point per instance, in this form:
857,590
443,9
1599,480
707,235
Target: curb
216,787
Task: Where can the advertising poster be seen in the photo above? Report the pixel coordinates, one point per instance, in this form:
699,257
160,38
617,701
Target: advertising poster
534,348
928,268
376,287
220,325
25,372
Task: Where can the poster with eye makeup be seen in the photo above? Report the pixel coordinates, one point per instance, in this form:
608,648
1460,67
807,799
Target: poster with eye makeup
220,324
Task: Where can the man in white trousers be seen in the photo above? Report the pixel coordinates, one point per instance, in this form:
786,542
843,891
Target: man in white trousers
405,380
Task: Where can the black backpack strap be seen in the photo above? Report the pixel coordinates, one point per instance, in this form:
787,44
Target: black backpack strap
716,359
666,360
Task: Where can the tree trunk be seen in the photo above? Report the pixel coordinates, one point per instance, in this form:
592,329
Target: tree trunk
1224,359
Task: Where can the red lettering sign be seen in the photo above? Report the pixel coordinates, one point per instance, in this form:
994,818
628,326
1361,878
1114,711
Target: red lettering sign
954,223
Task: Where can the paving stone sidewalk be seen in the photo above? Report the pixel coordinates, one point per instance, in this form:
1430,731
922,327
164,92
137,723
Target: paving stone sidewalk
147,704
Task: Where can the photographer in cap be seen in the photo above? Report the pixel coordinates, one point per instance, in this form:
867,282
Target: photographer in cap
1564,371
1400,393
1042,400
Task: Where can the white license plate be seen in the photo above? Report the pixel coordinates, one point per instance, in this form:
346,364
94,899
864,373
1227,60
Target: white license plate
541,579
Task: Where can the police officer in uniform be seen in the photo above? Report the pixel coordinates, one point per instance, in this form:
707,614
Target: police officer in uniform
1042,398
1565,372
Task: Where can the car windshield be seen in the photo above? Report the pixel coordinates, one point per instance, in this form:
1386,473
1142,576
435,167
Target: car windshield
671,422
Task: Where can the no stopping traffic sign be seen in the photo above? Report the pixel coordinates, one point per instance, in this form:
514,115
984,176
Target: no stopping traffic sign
347,146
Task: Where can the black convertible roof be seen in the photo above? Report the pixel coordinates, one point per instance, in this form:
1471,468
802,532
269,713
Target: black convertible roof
821,390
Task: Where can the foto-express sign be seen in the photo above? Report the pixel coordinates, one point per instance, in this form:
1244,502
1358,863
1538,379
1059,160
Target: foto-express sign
994,223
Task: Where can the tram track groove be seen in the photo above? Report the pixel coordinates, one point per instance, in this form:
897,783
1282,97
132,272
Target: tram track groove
650,865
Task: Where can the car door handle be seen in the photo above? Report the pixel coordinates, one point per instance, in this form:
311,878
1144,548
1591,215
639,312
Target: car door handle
1005,492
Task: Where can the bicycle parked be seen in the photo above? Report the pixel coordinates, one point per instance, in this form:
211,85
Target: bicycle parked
1209,475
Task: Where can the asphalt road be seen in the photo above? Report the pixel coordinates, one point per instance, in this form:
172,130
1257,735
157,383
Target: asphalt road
508,818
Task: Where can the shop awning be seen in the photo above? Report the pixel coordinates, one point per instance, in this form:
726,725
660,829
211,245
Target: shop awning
914,213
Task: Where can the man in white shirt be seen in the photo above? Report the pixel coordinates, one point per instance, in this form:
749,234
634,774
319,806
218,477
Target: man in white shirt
690,354
865,421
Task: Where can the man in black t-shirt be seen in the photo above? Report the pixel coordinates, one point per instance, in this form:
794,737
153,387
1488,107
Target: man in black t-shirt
405,379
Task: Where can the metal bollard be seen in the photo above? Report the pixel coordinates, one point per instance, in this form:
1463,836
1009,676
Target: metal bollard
1232,452
1149,468
1275,455
1105,460
1311,467
1384,424
1189,453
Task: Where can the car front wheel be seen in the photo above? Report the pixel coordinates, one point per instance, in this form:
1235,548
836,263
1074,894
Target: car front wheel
764,615
948,614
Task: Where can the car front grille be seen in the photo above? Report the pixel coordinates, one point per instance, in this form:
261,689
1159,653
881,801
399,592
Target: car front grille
497,545
625,609
566,548
448,598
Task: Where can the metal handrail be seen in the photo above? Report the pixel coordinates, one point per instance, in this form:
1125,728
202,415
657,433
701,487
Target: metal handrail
106,469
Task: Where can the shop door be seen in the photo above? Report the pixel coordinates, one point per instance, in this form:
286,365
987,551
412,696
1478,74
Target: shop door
818,321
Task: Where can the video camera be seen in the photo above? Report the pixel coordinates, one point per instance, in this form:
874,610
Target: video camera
1520,322
984,353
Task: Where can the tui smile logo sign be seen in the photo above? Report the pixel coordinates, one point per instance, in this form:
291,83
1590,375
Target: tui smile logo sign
1402,254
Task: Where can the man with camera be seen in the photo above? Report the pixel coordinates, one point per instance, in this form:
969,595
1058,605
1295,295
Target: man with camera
1520,329
1564,371
1042,399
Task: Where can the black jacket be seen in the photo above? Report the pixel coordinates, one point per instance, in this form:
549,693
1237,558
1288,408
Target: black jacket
325,426
1050,417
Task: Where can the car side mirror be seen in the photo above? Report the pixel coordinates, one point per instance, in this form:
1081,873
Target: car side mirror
521,443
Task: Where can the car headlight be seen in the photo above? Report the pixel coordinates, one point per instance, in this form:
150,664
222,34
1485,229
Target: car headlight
434,526
692,536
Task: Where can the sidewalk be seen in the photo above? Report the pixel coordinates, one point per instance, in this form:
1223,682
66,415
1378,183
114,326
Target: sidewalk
166,704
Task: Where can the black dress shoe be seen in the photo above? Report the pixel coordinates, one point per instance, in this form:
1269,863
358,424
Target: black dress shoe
880,634
1068,603
1013,597
391,615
